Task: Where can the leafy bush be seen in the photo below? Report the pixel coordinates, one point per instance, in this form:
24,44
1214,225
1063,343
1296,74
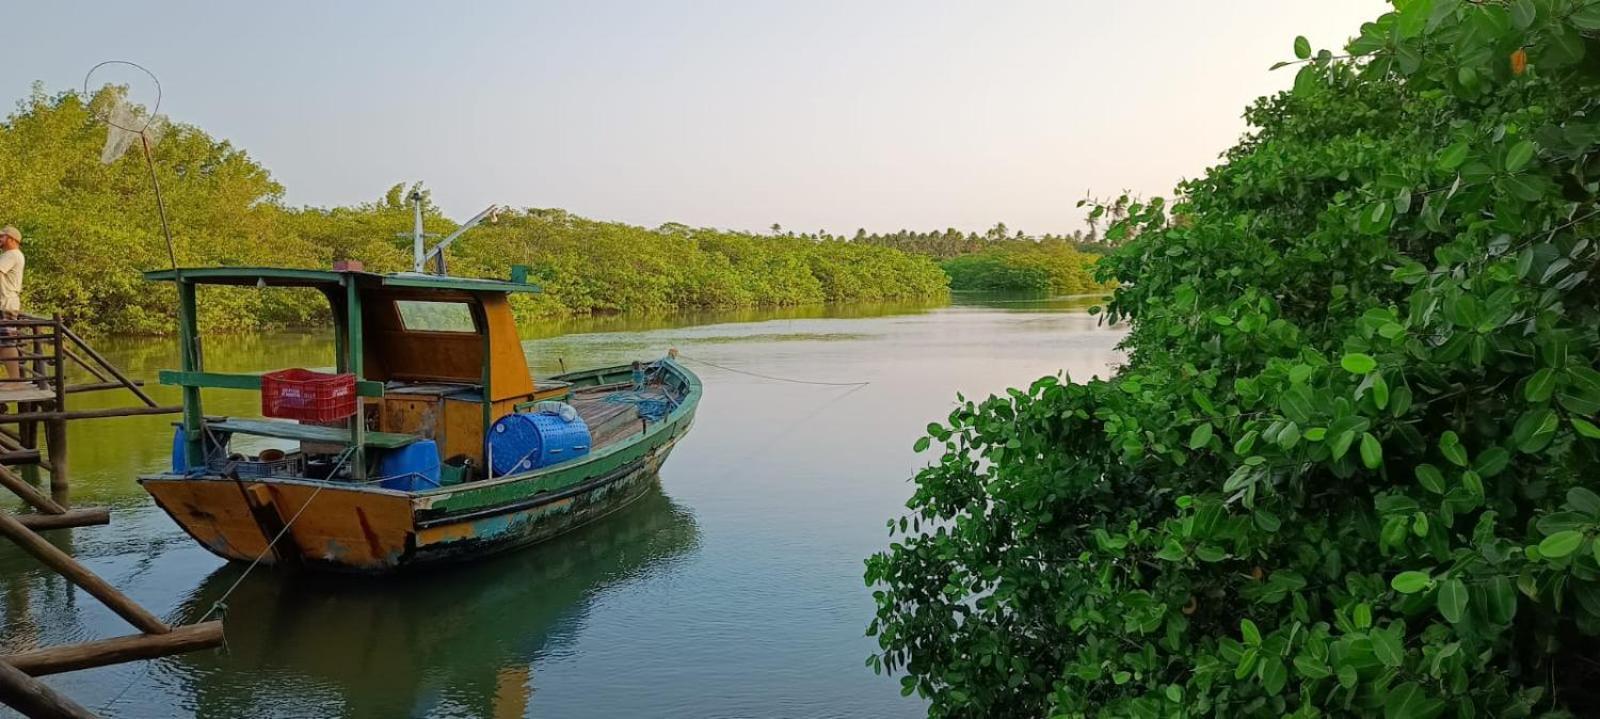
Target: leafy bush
1026,266
1349,467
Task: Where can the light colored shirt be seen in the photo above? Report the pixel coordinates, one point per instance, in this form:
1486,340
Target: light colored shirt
11,263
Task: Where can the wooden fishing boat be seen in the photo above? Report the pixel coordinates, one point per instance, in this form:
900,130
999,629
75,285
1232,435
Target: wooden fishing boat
436,370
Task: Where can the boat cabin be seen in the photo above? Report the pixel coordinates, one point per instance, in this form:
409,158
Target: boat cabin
434,357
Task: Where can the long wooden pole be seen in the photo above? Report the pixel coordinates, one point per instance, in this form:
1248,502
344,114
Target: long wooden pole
72,657
78,517
106,364
87,414
80,575
14,482
34,698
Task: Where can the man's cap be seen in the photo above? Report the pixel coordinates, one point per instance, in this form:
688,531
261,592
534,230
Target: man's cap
15,233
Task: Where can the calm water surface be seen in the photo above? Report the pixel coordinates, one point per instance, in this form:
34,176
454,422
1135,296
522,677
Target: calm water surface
733,591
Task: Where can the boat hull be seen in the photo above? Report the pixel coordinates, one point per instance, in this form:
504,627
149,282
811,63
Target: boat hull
338,529
351,528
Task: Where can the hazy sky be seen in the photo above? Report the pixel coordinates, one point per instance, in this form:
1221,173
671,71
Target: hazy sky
820,114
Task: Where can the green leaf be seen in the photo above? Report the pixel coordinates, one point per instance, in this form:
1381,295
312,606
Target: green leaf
922,444
1247,663
1519,156
1540,386
1560,544
1450,447
1311,668
1341,444
1430,478
1273,676
1201,436
1501,600
1452,599
1358,363
1411,582
1252,635
1375,218
1347,676
1409,701
1585,428
1522,13
1492,462
1371,451
1535,429
1586,17
1302,47
1386,646
1584,500
1452,157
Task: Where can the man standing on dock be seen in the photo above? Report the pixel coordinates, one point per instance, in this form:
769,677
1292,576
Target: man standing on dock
11,264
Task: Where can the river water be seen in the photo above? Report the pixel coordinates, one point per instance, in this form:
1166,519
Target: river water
732,591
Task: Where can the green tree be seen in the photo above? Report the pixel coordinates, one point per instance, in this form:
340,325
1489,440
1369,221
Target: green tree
1350,465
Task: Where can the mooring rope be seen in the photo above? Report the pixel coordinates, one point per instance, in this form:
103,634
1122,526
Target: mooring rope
222,602
771,377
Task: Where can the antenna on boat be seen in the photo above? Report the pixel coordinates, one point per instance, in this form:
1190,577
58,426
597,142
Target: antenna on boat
419,238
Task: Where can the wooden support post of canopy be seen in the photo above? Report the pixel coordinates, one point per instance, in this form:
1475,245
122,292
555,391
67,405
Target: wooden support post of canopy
80,575
34,698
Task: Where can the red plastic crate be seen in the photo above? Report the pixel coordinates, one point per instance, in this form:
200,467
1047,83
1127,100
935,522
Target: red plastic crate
308,396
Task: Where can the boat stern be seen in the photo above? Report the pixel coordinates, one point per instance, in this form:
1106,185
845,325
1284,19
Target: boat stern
347,529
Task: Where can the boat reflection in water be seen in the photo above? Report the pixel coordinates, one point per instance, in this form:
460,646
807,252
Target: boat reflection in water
461,641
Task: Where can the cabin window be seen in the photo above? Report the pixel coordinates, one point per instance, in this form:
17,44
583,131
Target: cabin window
425,316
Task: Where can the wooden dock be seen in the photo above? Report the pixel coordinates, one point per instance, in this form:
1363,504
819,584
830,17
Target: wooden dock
37,400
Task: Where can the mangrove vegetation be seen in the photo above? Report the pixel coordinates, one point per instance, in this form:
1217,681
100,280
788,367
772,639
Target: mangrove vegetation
1351,466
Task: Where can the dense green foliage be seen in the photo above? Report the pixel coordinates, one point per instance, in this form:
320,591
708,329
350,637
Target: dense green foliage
1350,466
91,228
951,243
1055,267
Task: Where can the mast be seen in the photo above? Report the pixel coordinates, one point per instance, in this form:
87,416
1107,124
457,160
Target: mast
416,231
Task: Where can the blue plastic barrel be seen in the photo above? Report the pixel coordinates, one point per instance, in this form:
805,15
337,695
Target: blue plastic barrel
524,442
180,452
412,468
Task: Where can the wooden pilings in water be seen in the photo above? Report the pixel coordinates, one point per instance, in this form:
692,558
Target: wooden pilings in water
40,398
35,698
90,582
72,657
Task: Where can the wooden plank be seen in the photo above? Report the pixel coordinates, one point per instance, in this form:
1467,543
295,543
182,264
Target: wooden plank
87,655
80,517
27,394
221,380
80,575
310,432
35,698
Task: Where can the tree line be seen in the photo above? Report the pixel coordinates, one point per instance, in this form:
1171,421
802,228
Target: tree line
91,230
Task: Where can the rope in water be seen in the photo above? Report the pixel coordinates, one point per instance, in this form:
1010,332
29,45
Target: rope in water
771,377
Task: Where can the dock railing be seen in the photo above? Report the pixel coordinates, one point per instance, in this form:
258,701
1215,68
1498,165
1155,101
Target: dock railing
43,350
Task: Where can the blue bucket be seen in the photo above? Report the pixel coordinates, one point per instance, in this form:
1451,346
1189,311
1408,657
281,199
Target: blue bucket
412,468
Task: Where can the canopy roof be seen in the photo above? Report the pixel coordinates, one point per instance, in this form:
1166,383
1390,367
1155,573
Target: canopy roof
286,277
